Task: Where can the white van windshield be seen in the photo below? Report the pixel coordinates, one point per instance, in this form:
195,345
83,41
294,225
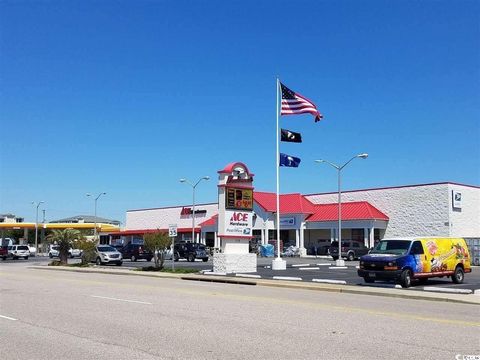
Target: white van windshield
395,247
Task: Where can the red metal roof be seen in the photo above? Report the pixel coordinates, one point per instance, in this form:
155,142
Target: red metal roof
210,222
289,203
229,168
360,210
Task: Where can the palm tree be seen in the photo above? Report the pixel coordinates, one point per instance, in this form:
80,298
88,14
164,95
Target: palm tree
64,239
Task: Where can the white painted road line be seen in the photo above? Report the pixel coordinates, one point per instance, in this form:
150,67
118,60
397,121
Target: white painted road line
338,267
124,300
448,290
324,264
309,268
300,265
287,278
7,317
328,281
249,276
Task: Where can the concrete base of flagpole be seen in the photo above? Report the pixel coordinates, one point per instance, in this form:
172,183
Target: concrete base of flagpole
339,262
279,264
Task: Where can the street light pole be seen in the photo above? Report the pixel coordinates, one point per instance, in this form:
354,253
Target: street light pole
340,261
36,223
95,216
193,203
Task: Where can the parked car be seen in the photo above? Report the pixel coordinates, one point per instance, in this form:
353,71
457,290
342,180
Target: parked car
106,254
33,250
18,251
4,252
190,251
351,250
408,259
136,252
55,252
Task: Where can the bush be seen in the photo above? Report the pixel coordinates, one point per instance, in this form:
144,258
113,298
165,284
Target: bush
55,263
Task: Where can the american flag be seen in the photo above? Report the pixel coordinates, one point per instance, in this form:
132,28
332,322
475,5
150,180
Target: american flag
294,103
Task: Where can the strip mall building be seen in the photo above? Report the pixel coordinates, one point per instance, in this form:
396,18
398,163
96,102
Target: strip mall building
311,221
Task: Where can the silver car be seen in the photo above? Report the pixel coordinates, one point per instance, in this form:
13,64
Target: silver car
106,254
18,251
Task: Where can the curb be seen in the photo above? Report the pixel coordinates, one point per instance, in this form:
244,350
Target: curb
470,299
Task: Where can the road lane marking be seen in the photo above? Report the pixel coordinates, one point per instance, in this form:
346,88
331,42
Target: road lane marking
7,317
328,281
125,300
287,278
300,265
309,268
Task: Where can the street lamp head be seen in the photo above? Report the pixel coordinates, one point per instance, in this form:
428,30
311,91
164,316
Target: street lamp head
182,180
206,178
363,156
319,161
88,194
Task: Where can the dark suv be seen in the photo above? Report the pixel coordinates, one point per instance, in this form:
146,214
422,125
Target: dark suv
135,252
350,250
190,251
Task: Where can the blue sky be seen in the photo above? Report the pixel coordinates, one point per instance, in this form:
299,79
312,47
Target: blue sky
127,97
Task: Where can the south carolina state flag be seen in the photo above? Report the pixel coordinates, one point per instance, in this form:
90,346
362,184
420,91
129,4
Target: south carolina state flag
289,161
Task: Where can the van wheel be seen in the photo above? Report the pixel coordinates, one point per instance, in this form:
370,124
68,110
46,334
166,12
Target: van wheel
406,278
99,261
335,258
133,258
191,258
205,260
176,257
351,256
458,275
50,255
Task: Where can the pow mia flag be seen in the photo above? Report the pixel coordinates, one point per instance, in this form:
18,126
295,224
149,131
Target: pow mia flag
290,136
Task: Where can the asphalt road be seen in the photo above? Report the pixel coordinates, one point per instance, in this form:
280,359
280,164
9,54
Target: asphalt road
307,269
57,315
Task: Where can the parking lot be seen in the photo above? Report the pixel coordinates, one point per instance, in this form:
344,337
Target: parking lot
310,269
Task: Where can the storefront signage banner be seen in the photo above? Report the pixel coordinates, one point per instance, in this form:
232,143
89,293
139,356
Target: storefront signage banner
457,199
290,221
238,223
239,199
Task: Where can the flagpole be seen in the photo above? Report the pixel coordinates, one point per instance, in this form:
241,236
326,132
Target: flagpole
277,165
278,263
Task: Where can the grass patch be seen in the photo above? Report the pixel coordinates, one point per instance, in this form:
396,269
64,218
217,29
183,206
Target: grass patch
169,270
79,265
59,263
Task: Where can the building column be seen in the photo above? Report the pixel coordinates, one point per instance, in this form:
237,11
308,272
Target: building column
366,237
297,238
372,239
302,235
215,240
332,235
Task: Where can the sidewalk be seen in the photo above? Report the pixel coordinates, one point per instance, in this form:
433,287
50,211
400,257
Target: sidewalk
473,299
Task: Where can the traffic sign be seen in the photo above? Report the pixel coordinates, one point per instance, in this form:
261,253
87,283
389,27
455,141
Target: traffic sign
172,230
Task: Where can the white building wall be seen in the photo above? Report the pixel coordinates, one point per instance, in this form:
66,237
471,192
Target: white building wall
418,210
160,218
465,222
